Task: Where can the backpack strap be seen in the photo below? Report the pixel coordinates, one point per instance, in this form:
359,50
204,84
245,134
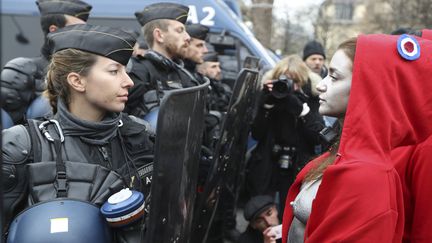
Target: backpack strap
38,128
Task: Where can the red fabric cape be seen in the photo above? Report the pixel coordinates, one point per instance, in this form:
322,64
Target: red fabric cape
413,164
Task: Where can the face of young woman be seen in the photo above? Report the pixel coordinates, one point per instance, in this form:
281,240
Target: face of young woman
335,88
106,86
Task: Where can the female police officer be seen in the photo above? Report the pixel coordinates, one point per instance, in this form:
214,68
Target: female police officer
101,148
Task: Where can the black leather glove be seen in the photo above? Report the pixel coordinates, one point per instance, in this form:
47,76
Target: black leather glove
267,100
293,104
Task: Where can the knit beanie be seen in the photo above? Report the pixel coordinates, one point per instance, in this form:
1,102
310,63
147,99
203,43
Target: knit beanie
313,47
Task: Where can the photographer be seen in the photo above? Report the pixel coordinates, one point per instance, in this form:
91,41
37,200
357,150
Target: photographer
286,129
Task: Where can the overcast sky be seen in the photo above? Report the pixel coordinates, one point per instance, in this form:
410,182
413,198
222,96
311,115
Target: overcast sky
291,6
282,7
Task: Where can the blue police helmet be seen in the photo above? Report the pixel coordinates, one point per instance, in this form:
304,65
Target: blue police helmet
152,117
38,108
6,120
61,221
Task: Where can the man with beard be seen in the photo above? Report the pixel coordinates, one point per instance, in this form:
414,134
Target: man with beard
161,68
220,93
197,49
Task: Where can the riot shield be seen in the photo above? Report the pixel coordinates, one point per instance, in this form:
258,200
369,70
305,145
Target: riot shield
229,162
1,183
178,142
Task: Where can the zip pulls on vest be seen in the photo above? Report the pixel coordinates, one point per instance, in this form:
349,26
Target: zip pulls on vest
104,152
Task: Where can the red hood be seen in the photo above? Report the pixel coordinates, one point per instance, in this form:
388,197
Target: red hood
427,34
390,101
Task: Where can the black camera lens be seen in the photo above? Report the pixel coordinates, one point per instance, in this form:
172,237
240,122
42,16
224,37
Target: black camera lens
282,87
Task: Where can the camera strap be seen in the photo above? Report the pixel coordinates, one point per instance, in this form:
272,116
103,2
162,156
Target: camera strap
330,133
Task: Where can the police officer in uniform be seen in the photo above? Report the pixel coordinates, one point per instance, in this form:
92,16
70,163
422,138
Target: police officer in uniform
55,15
194,56
220,93
101,149
23,78
224,222
197,49
161,68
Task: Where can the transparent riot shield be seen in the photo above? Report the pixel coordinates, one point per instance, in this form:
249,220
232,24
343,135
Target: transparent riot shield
178,142
227,171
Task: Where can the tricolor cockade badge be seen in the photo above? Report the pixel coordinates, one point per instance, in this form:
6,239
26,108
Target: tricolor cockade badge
408,47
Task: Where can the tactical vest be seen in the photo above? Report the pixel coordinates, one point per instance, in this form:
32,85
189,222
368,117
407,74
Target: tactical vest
79,174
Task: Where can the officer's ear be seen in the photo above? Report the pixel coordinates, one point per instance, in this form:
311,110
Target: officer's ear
76,82
158,35
52,28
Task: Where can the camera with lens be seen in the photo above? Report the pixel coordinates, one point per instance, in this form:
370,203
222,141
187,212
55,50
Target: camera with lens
285,156
282,87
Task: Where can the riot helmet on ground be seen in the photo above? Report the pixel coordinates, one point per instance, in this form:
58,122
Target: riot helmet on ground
62,220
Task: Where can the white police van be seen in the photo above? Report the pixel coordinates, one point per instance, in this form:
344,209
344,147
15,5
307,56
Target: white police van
21,34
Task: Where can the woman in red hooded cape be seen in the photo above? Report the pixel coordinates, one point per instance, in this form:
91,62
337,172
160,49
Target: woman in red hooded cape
360,195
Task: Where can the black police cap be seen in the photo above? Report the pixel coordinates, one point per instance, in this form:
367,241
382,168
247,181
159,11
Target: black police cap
113,43
155,11
256,205
211,57
197,31
74,8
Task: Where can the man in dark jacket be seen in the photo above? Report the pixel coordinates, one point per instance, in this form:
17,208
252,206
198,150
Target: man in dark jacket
161,68
220,93
197,49
262,215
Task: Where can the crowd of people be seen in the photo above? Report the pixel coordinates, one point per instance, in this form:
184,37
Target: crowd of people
342,149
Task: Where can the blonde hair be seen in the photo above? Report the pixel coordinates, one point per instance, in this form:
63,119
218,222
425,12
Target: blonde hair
294,67
62,63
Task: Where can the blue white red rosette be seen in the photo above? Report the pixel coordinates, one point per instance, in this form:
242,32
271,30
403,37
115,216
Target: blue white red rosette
408,47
